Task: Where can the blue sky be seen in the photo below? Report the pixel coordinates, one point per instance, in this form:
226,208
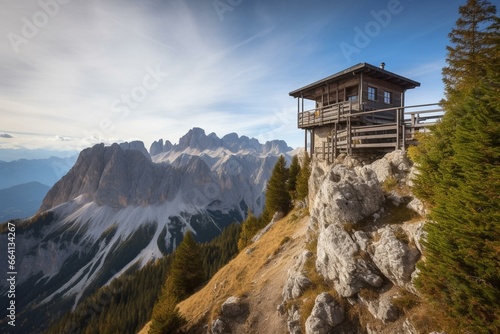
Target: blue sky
75,73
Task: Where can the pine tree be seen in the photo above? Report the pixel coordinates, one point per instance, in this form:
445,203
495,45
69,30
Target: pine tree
249,228
187,272
166,318
460,177
303,178
293,175
186,275
277,196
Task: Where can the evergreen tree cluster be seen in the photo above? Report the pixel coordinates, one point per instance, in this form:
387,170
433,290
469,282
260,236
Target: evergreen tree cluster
188,273
459,165
126,305
284,186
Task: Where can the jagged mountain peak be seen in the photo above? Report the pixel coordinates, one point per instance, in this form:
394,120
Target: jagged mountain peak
108,175
136,145
196,142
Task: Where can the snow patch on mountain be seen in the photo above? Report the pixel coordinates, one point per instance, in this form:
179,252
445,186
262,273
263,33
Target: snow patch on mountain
121,206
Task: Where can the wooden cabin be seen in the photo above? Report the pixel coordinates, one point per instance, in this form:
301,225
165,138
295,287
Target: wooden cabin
357,110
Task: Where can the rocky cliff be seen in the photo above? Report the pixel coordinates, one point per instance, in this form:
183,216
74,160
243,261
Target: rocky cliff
120,207
347,267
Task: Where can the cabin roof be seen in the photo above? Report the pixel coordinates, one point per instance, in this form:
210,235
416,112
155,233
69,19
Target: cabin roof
368,69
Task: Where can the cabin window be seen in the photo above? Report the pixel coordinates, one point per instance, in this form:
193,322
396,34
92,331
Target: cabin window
388,97
352,93
372,93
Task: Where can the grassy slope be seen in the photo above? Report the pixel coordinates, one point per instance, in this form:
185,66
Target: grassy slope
258,277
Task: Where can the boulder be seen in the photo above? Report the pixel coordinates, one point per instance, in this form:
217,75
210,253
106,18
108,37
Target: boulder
346,196
296,281
337,260
325,315
293,322
219,326
382,307
393,257
233,307
416,205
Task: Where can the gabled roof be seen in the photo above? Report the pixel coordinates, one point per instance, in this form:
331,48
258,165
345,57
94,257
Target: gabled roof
370,70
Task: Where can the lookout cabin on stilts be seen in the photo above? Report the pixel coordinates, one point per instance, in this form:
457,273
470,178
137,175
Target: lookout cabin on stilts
361,110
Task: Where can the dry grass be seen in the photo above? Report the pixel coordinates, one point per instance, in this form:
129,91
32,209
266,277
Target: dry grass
254,275
390,184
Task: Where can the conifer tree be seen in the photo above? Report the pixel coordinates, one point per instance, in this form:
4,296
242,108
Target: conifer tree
303,178
166,318
460,177
277,196
293,175
187,272
186,275
249,228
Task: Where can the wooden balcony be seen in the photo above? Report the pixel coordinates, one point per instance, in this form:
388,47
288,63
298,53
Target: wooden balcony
331,114
376,134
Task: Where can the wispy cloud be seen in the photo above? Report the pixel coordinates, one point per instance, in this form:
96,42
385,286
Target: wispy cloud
87,73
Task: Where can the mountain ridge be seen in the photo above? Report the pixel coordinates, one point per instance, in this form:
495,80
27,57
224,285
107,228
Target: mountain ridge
118,208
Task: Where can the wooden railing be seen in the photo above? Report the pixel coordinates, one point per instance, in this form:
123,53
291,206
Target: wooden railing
326,115
379,136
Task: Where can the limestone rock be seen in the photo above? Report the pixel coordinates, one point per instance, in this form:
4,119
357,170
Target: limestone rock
219,326
416,233
382,307
346,196
296,281
325,315
417,206
394,257
394,164
337,261
233,307
293,323
362,240
408,327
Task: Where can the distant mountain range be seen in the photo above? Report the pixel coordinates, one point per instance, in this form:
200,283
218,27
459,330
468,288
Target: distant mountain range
45,171
121,206
22,200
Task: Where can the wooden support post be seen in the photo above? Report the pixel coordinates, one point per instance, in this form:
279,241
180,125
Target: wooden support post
404,136
324,149
334,144
398,127
349,135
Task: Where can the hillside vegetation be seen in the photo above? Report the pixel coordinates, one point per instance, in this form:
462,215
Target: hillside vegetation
459,165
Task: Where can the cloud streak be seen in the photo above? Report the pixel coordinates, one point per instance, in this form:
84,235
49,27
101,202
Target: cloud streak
230,75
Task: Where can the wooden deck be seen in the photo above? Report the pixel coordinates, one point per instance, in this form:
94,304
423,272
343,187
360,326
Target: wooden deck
381,133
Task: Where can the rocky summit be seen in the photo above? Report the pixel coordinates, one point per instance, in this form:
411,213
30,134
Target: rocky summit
121,206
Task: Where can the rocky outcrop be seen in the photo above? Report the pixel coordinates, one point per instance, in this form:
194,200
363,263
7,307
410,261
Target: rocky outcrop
382,308
357,251
347,196
219,326
393,256
233,311
339,260
234,307
296,281
325,315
